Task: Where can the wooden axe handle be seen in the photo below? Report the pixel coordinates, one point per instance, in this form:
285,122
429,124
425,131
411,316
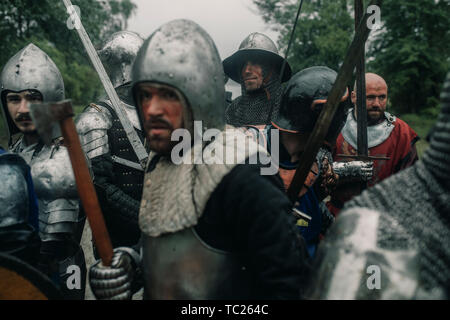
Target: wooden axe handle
86,190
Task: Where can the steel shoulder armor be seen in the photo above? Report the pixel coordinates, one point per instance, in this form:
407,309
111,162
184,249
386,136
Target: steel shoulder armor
92,126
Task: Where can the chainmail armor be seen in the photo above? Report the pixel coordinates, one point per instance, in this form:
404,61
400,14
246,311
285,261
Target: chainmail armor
254,108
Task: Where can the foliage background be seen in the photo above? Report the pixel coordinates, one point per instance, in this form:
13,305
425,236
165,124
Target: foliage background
43,22
411,51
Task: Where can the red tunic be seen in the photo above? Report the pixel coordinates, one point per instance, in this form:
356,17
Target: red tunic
399,147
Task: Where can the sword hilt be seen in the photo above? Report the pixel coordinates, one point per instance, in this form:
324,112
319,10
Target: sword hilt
362,157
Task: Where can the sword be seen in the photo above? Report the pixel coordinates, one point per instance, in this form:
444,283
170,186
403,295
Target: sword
283,66
326,116
361,119
361,128
136,143
361,89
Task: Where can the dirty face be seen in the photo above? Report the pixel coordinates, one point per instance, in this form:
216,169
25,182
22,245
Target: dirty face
162,113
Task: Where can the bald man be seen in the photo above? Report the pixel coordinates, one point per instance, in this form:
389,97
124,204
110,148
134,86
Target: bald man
387,136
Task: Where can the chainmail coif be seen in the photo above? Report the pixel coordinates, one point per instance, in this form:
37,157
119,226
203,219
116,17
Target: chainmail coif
414,205
254,108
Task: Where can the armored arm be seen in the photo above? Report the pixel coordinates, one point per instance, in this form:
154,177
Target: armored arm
18,230
327,179
93,126
399,225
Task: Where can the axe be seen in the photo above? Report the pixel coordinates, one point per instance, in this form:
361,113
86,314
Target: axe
44,117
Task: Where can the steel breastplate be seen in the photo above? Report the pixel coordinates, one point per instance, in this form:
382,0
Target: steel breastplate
55,188
181,266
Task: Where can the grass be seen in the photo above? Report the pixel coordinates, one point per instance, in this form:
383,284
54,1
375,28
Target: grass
421,125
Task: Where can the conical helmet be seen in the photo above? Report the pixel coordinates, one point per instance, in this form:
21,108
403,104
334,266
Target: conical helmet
182,55
30,69
255,45
118,55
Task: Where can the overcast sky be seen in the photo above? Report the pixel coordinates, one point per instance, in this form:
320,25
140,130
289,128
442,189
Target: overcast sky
228,22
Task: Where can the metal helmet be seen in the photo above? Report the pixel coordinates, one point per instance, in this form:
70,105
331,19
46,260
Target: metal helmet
303,99
118,55
30,69
259,46
182,55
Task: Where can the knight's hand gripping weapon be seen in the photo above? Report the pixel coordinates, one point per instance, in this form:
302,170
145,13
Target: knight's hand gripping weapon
132,136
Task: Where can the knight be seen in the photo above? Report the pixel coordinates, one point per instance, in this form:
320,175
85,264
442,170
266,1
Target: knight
205,233
391,241
31,76
257,67
118,174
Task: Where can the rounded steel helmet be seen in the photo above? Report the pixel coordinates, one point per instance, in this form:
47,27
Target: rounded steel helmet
303,99
182,55
30,69
118,55
255,46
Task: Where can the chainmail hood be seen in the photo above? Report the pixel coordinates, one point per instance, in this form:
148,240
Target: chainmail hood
253,108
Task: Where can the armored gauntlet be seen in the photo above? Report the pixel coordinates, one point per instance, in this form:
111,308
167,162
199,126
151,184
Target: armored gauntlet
116,281
353,170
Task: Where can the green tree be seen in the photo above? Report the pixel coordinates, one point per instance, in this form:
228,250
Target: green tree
411,52
44,23
323,33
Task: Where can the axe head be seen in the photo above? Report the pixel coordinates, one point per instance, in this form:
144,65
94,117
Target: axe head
47,117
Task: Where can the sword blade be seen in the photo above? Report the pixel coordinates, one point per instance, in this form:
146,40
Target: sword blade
361,119
110,91
361,131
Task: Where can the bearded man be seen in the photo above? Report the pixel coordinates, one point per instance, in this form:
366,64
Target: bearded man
387,136
118,175
392,241
206,233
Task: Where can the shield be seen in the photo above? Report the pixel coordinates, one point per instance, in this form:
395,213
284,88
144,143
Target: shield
21,281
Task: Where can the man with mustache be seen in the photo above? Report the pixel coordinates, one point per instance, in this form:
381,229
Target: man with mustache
118,174
256,66
205,233
392,241
387,136
30,76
